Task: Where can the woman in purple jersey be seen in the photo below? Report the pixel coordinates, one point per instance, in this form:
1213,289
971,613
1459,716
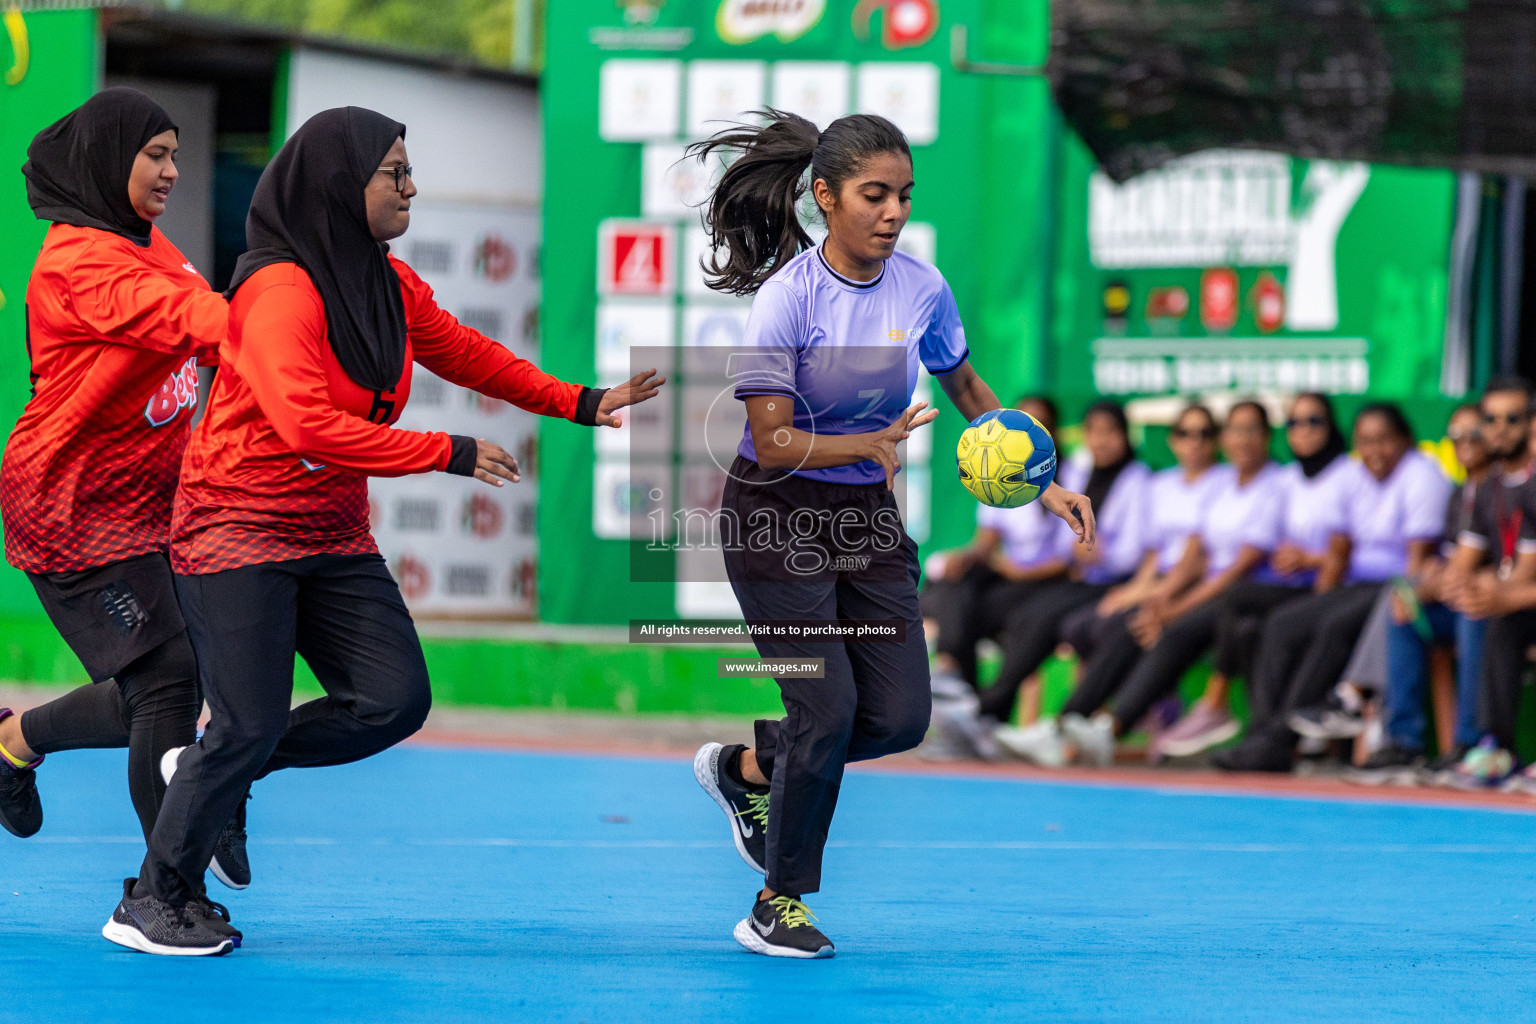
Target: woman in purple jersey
827,369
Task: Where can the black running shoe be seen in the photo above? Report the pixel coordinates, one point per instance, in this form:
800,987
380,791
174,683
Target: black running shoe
1255,754
150,925
21,809
230,864
745,806
781,926
215,916
1392,765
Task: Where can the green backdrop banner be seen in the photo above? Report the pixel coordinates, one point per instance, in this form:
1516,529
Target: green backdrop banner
627,84
59,74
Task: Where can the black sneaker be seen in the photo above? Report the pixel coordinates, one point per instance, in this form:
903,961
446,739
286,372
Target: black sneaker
1331,720
150,925
745,806
1392,765
1255,754
230,864
215,917
21,809
781,926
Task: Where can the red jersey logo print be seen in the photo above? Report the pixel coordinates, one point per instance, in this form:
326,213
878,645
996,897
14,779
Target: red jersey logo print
177,393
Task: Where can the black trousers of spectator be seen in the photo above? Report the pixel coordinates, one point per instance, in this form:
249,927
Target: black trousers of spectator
1304,648
344,615
1084,630
970,608
1111,653
1505,644
123,623
1157,671
1029,633
874,698
1245,607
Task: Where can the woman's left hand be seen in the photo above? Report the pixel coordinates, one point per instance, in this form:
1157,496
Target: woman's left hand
639,388
1076,509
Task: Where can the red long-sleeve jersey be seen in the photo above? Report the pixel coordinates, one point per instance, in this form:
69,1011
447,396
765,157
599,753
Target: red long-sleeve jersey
278,467
114,333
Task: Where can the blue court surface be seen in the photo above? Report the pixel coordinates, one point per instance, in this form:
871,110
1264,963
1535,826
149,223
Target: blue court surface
446,885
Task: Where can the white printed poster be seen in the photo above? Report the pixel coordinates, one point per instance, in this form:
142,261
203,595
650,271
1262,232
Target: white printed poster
639,99
817,90
722,93
906,93
457,546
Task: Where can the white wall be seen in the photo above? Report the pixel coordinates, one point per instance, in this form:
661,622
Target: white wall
188,217
471,140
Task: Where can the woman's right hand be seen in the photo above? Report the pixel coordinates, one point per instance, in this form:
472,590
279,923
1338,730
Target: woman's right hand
494,464
881,444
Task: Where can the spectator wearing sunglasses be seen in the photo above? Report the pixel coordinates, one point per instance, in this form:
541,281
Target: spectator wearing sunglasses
1176,499
1306,561
1395,517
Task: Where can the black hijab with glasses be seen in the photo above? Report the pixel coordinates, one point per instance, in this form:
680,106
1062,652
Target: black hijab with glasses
309,209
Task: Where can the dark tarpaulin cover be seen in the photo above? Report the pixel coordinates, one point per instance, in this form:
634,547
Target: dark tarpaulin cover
1446,83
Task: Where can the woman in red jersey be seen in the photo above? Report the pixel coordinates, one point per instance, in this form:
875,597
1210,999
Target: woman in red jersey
270,539
117,320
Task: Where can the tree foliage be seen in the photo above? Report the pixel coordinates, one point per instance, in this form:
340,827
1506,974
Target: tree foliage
478,29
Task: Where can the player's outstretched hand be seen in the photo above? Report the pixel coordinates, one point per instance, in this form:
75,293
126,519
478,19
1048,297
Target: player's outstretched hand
1076,509
882,443
639,388
494,464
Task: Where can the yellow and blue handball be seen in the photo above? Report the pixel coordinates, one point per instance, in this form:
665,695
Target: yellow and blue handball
1006,458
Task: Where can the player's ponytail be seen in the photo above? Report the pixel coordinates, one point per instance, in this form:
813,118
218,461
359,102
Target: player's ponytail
751,219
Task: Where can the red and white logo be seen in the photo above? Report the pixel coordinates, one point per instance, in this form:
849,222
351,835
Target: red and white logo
1218,299
177,393
636,258
495,259
482,517
1268,299
904,23
414,577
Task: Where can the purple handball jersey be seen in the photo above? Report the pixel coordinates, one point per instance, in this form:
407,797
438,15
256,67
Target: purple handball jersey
846,353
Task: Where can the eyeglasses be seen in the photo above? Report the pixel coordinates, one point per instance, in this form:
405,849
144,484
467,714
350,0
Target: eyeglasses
1315,422
1196,434
1510,419
1458,436
400,172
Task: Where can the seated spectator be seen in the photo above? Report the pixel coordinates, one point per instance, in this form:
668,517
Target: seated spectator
1139,660
1418,623
1502,593
1106,471
1313,491
1395,513
1013,555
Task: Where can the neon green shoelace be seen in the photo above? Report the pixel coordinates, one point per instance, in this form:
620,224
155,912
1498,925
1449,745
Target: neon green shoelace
757,807
792,912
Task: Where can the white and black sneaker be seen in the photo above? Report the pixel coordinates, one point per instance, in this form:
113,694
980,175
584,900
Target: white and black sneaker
1334,719
215,916
781,926
745,805
230,864
151,925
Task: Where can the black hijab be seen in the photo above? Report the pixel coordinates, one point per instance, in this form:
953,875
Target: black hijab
309,209
77,168
1335,446
1102,478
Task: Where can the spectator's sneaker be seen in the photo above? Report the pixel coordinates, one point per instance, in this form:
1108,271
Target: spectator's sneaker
745,807
21,808
1201,729
1485,766
1093,737
781,926
1440,771
962,723
948,686
1331,720
150,925
1040,743
1255,754
230,864
1523,781
215,917
1392,765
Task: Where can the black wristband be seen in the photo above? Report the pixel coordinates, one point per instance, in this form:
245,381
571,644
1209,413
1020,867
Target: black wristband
465,453
586,406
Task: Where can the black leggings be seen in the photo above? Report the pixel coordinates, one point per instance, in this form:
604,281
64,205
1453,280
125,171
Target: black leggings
1504,649
343,614
151,708
1244,609
1029,634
